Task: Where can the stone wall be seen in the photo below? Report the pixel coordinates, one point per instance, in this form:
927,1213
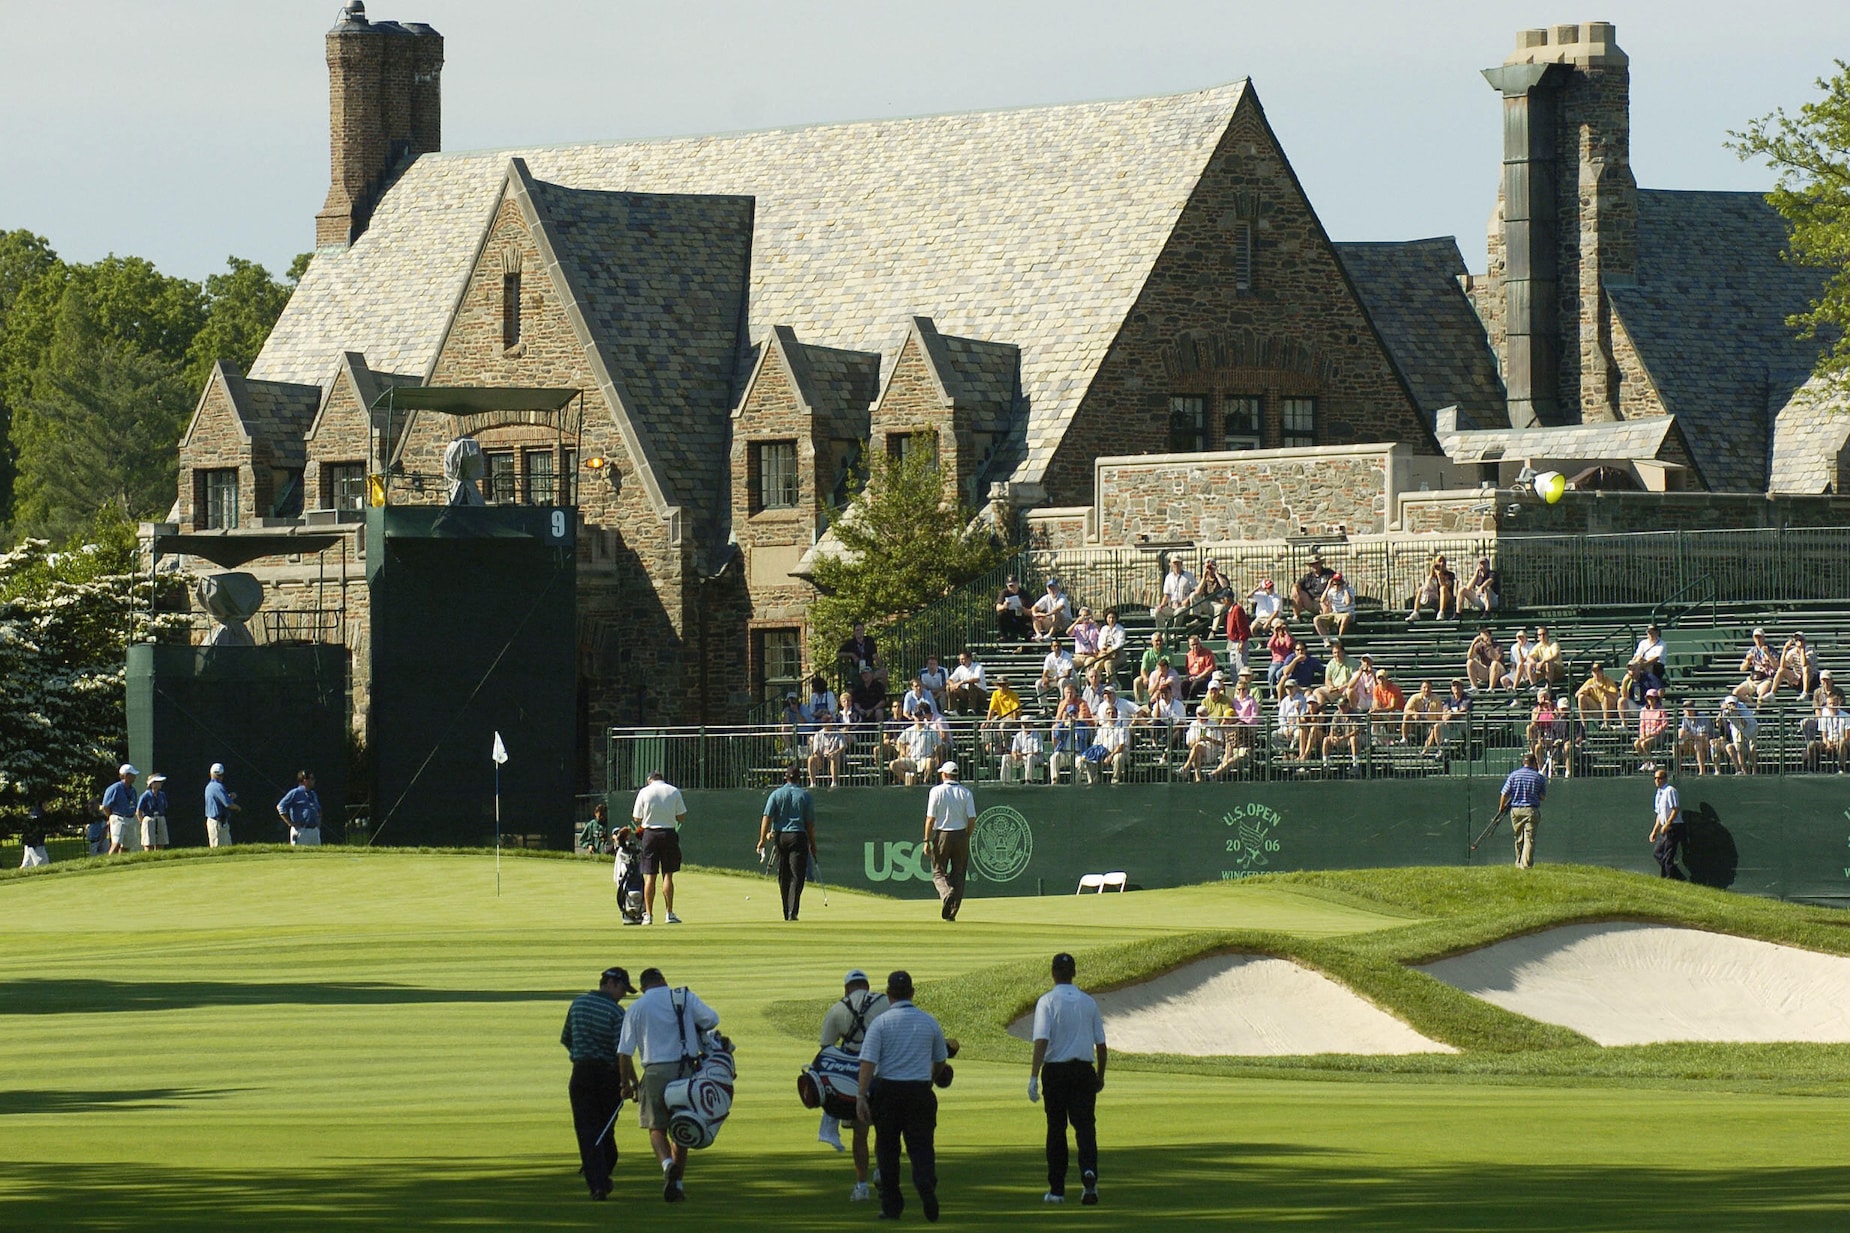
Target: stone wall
1298,329
1259,494
1057,528
1458,511
342,434
911,403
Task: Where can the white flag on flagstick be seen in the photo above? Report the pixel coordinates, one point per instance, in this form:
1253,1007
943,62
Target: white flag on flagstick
500,753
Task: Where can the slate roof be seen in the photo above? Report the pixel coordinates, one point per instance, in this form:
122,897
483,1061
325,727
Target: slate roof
1411,291
276,413
1707,317
1810,431
1038,226
661,281
1627,439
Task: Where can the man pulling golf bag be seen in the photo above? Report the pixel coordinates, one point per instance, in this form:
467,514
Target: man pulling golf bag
627,874
699,1104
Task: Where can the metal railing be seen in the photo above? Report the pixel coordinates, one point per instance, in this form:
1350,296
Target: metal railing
1489,742
1692,597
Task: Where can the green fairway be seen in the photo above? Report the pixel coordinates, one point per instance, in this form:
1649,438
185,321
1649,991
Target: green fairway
319,1040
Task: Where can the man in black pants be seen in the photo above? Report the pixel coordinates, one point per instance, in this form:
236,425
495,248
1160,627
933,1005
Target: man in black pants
790,818
905,1049
592,1027
1068,1036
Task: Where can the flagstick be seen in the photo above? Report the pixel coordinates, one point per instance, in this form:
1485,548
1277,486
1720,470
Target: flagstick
497,830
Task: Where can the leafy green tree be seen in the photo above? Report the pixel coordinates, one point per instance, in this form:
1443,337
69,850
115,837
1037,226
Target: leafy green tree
904,544
1811,153
241,307
24,258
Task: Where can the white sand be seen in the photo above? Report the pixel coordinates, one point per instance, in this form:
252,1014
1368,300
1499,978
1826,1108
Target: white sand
1247,1005
1630,984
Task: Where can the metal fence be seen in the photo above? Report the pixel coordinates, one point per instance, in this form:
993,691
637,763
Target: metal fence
1489,742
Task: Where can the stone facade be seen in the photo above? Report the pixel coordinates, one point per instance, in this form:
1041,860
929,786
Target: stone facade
1296,329
1262,494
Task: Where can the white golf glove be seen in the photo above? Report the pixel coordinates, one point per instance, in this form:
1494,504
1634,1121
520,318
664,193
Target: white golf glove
1034,1091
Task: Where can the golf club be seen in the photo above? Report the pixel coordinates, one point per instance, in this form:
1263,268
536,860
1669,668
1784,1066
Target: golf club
609,1124
815,869
1487,830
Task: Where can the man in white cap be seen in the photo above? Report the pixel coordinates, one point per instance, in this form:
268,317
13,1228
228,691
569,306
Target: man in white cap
950,811
220,805
151,812
119,807
845,1027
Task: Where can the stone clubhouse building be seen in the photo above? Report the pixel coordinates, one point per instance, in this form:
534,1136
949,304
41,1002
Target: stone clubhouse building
1115,322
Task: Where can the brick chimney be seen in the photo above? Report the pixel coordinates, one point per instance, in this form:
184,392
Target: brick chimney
384,109
1567,220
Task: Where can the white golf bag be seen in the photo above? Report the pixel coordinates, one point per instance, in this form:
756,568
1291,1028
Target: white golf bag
699,1104
627,874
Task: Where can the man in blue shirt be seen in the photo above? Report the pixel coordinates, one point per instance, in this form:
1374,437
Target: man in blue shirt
301,809
151,811
593,1026
220,805
790,819
1522,797
119,807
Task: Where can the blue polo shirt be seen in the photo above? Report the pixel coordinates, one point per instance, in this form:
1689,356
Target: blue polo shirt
1525,788
218,801
119,800
152,803
790,808
301,806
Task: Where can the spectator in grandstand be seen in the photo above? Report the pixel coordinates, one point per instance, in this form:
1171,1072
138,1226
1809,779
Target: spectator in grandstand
1337,674
1545,663
1304,668
1092,689
1455,720
1388,704
937,682
1336,610
1439,589
1266,605
1239,629
1198,667
920,702
1547,725
1164,674
1361,691
1204,743
1485,589
1307,593
1004,705
1312,726
1761,664
1022,763
1653,725
1696,740
793,723
1484,661
1052,612
1601,693
918,752
859,654
1827,689
1420,718
1165,716
1739,732
1173,595
1518,672
1669,832
825,754
1084,633
1650,650
1798,665
1245,724
968,690
1158,654
1281,646
1348,728
1111,748
1056,672
1212,594
1291,710
1641,680
1072,731
823,705
867,700
1110,644
1012,620
1831,746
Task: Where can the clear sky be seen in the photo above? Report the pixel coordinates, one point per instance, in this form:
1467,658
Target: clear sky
187,130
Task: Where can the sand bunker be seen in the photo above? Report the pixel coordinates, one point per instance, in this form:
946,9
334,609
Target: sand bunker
1247,1005
1632,984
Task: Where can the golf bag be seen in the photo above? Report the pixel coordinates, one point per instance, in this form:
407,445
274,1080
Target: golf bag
627,874
699,1104
830,1082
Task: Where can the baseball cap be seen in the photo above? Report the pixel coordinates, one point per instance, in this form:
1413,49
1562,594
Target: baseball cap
1265,584
1217,678
218,768
854,976
1336,577
620,975
949,768
1653,693
1759,631
127,768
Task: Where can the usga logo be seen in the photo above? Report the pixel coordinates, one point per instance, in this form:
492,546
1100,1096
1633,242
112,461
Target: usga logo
897,862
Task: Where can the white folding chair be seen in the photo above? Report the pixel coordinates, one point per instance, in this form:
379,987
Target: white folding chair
1091,881
1119,879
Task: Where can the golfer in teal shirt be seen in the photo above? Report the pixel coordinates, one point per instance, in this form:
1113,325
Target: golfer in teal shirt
790,818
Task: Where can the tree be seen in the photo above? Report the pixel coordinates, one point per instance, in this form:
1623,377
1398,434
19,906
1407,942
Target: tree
905,544
1811,153
24,258
241,307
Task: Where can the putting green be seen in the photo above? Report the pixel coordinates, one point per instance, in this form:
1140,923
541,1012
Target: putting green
331,1041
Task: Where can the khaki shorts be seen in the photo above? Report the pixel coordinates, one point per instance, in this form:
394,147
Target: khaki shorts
649,1094
153,831
125,832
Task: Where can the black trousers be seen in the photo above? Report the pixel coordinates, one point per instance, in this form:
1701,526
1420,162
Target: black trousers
1069,1093
1675,840
792,869
594,1090
908,1110
1014,624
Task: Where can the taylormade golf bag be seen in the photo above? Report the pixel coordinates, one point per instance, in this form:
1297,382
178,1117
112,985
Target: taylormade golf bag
627,874
699,1104
830,1082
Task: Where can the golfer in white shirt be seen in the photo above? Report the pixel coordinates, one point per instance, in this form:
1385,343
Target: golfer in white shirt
949,813
1069,1036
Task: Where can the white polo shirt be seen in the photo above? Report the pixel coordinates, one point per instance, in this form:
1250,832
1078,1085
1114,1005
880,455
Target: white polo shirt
653,1029
1068,1020
1666,802
658,806
950,807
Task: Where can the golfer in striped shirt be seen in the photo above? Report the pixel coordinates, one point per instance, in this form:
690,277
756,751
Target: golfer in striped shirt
1522,798
593,1026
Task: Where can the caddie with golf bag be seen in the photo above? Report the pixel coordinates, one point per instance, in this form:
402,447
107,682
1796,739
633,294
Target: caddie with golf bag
674,1032
829,1082
627,874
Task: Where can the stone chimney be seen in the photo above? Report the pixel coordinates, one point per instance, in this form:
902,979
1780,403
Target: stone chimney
384,109
1567,220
